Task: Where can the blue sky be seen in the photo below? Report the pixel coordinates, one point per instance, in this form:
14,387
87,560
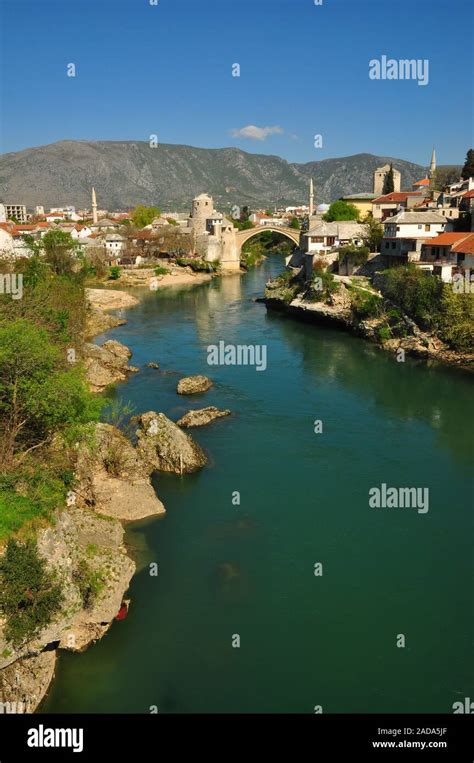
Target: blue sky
143,69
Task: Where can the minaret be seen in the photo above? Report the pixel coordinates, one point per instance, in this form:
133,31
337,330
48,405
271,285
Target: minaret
94,207
311,197
432,165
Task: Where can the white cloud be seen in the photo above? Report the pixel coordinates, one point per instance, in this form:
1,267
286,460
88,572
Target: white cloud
253,132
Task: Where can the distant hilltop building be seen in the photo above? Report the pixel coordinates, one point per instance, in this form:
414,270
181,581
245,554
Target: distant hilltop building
379,179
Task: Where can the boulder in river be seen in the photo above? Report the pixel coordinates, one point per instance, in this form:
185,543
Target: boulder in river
190,385
201,417
165,447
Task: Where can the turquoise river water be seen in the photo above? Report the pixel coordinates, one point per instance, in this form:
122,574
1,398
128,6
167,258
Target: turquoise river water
249,569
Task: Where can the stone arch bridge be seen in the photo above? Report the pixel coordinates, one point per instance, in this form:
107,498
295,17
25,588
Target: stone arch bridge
242,236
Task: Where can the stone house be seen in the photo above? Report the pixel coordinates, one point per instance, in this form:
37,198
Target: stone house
406,232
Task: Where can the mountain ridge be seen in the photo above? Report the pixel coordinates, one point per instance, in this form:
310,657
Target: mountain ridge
126,173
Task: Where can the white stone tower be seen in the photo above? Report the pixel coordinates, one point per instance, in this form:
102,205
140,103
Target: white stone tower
203,208
311,197
94,207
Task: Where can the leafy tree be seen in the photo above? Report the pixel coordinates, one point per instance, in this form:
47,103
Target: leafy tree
443,177
373,233
243,224
341,210
295,223
30,597
388,183
39,393
59,249
142,216
468,169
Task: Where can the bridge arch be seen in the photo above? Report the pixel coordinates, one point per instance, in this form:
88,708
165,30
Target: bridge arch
293,234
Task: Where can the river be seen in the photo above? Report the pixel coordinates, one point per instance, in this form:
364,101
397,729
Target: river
306,640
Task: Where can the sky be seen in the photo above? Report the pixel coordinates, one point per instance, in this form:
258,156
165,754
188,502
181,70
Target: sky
165,68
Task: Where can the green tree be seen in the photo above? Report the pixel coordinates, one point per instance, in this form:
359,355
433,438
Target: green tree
59,249
443,177
295,223
30,597
341,210
468,169
373,233
39,392
142,216
388,183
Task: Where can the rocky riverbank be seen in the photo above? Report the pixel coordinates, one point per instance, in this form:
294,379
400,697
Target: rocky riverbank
337,309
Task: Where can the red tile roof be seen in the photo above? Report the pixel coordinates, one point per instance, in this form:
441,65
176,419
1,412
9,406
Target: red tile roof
447,239
395,196
425,181
466,246
468,195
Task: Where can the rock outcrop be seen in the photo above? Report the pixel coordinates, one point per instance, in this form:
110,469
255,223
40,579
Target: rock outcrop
84,549
107,364
98,301
190,385
165,447
201,417
116,477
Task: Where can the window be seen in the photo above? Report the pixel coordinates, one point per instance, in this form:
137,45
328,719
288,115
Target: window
398,227
387,244
394,243
427,227
420,227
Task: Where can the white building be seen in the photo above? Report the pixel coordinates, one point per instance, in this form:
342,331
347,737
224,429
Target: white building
17,211
406,232
326,236
114,243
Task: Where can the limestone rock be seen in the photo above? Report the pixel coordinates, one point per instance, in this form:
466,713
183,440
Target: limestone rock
116,477
201,417
125,500
152,364
107,364
192,384
24,683
165,447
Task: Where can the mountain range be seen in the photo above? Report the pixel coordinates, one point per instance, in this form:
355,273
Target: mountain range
127,173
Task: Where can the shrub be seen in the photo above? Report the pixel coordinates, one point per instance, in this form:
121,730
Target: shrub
114,272
30,597
418,293
161,271
364,304
89,581
355,255
384,333
323,285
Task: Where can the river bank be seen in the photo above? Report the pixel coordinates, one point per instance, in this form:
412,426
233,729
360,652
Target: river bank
237,548
400,335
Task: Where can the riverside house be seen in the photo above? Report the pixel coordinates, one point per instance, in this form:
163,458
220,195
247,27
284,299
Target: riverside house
405,234
447,254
